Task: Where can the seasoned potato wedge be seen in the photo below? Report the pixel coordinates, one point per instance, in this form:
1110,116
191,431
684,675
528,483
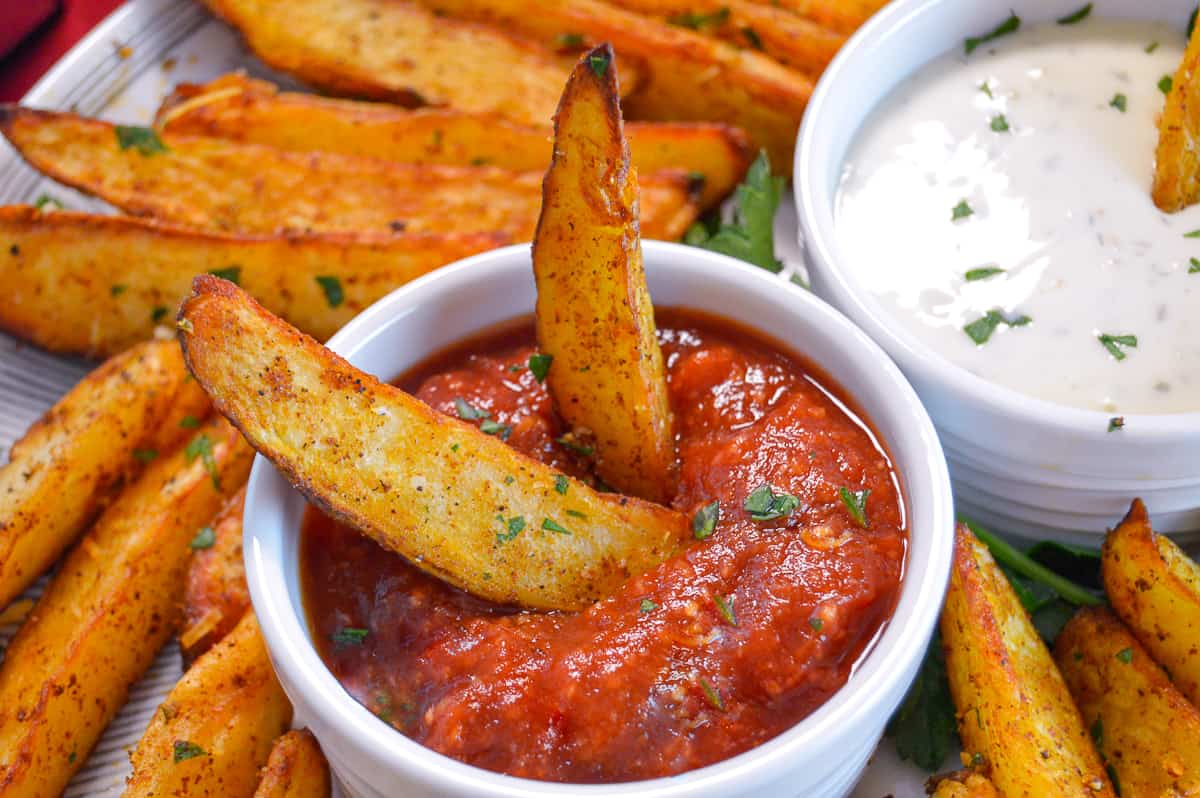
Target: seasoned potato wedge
1013,707
962,784
843,16
1176,159
216,727
94,285
226,185
594,316
687,76
1147,732
296,769
1155,589
107,612
457,503
69,463
241,109
216,595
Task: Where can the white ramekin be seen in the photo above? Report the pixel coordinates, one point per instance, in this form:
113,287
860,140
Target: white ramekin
821,756
1028,466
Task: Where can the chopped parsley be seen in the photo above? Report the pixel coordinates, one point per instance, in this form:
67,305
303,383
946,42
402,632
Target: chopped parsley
142,139
961,211
46,203
332,287
856,503
578,448
816,623
513,527
764,504
204,539
468,412
189,422
489,427
569,41
647,606
116,289
539,366
561,484
576,514
550,525
1006,27
986,89
158,314
982,328
185,749
1151,47
1076,16
1113,344
695,21
711,695
999,123
349,636
201,447
144,455
753,38
231,273
1115,423
1119,102
751,234
1191,26
598,62
1193,266
1192,234
725,608
1165,83
924,728
982,273
1125,655
71,758
704,522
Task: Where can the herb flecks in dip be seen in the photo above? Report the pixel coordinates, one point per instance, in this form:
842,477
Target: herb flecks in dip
1061,230
726,645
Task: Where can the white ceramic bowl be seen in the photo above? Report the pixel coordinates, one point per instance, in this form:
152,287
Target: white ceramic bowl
821,756
1028,466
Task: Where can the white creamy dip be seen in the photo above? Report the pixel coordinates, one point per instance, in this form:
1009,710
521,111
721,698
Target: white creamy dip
1060,201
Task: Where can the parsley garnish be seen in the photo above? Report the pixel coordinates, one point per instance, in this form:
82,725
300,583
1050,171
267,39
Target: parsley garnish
751,235
1077,16
1097,729
1006,27
142,139
753,37
45,202
1192,234
158,314
469,412
598,61
704,522
550,525
1151,47
332,287
1113,344
1165,83
561,484
183,749
1194,266
999,123
578,448
961,211
539,366
691,19
201,447
856,503
986,89
71,758
189,422
816,623
725,608
1119,102
1191,26
144,455
489,427
924,727
982,328
514,527
204,539
576,514
569,41
982,273
647,606
764,504
711,694
349,636
1125,655
1115,423
116,289
231,273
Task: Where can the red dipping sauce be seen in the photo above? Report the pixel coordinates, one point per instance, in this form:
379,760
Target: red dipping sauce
729,643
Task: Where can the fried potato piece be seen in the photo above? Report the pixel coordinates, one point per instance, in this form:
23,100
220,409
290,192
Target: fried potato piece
1176,159
961,784
843,16
687,76
1147,732
217,725
68,465
594,316
457,503
1155,588
296,769
1014,709
93,285
242,109
107,612
216,595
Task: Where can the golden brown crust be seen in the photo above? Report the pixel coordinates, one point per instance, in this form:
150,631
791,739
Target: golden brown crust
296,769
1176,161
216,595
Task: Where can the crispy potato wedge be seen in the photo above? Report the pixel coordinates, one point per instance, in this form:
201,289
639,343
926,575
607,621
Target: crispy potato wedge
242,109
94,285
216,596
843,16
1155,588
1013,706
961,784
226,185
594,315
1144,728
69,463
216,727
107,612
296,769
687,76
457,503
1177,159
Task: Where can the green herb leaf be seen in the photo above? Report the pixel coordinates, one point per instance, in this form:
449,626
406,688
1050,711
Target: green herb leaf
924,727
332,287
539,366
1192,234
489,427
116,289
711,695
1113,344
696,21
183,749
725,608
576,514
704,522
1165,84
569,41
513,527
578,448
1080,564
751,235
1194,266
982,328
158,314
816,623
561,484
1008,556
1125,655
1097,732
1151,47
142,139
961,211
986,89
231,273
45,203
1077,16
647,606
982,273
598,62
999,123
753,38
1119,102
204,539
550,525
201,447
856,503
1116,423
1006,27
189,422
468,412
1191,26
764,504
349,636
144,455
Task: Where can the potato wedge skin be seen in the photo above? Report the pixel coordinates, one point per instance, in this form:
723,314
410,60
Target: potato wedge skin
843,16
108,611
254,111
230,705
1144,728
216,595
296,769
68,465
1013,706
1155,589
94,285
594,315
1176,162
224,185
429,487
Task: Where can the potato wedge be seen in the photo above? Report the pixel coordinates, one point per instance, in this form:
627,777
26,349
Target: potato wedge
457,503
93,285
69,463
1176,159
1014,709
215,596
296,769
1155,589
688,76
594,316
216,727
107,612
1144,728
843,16
961,784
248,188
241,109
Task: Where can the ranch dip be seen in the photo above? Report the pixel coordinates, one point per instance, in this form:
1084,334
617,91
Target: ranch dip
998,206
